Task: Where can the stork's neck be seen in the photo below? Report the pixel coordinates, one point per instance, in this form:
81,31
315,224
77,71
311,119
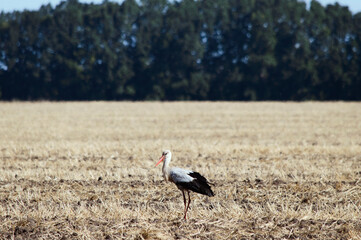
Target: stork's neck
165,168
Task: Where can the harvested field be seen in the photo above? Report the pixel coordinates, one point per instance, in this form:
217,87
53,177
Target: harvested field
85,170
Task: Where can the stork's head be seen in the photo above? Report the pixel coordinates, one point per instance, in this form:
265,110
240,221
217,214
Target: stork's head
166,155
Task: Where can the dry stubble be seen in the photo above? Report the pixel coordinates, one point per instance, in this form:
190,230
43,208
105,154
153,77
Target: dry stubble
86,170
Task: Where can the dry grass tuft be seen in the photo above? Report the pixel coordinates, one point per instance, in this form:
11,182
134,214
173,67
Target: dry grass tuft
86,170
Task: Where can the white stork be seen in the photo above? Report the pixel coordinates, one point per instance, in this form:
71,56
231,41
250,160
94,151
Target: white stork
185,180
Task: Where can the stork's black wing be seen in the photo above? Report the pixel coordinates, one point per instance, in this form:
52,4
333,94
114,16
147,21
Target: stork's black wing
199,184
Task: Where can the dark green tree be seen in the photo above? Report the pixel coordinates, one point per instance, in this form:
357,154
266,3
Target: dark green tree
181,50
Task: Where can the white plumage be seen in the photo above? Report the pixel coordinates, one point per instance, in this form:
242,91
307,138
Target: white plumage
185,180
180,175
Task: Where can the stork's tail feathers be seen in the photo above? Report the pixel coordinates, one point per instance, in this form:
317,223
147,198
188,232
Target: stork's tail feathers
209,192
202,185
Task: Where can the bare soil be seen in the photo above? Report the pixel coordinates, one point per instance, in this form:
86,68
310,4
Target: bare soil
86,170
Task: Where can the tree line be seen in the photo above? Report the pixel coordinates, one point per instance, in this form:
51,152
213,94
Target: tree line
181,50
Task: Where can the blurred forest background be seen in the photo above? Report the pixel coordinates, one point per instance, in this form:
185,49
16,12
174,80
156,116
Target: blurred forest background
181,50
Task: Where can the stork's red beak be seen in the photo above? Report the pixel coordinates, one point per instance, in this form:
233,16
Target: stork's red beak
160,160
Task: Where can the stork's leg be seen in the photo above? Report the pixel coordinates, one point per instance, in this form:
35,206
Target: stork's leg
189,201
185,202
